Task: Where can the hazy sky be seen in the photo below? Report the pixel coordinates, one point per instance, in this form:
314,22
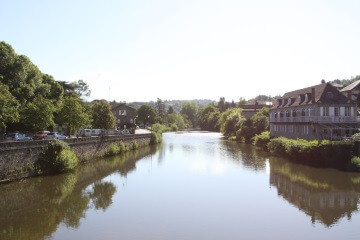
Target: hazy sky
141,50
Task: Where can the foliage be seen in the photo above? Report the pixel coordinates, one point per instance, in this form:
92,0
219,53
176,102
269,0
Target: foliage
155,138
325,151
123,147
102,117
112,150
356,137
160,108
8,107
262,139
178,120
58,158
146,114
102,194
355,162
208,118
134,145
190,109
257,124
39,114
170,110
72,114
174,127
77,89
160,128
230,121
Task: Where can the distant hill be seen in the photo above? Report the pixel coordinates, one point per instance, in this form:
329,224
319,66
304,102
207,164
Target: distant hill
176,104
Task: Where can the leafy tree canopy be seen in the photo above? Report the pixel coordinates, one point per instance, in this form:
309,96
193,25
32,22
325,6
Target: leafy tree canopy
38,114
102,117
8,107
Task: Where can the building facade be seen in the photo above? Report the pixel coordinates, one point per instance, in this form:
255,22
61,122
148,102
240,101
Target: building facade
352,90
125,115
249,110
317,112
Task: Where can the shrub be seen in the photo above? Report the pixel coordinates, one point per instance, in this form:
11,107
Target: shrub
356,137
355,162
262,139
325,151
134,145
112,150
174,127
160,128
122,147
155,138
58,158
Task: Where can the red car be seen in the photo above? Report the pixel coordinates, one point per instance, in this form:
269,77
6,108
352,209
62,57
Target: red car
40,135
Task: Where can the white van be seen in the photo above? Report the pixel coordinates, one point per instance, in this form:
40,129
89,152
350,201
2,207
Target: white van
95,132
84,133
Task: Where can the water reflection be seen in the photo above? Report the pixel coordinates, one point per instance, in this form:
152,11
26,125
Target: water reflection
34,208
326,195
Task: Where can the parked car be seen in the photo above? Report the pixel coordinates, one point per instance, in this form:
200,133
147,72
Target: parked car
96,132
16,137
84,133
40,135
54,135
125,132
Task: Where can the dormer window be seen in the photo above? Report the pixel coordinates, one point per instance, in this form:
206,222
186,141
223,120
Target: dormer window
301,98
306,97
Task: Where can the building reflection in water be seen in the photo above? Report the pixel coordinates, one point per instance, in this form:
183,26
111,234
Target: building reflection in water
326,195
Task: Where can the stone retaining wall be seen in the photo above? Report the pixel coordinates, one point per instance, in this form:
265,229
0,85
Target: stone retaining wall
17,158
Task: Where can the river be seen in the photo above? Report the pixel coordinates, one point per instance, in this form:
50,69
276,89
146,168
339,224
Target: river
193,186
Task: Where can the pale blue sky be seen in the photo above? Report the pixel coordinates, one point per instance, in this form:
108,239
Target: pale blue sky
187,49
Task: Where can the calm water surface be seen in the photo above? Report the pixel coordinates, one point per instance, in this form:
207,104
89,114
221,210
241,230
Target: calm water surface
193,186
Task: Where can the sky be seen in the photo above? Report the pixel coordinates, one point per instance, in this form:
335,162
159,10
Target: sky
142,50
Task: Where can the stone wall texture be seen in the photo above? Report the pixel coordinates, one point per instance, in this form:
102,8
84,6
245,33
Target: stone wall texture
17,158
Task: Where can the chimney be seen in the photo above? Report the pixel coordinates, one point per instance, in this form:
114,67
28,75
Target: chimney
313,95
349,95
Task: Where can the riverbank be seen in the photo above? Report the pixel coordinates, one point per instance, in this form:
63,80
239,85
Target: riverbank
18,159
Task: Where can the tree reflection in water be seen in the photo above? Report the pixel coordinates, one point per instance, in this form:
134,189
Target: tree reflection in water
34,208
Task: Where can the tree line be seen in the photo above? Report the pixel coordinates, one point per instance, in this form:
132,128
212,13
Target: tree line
31,100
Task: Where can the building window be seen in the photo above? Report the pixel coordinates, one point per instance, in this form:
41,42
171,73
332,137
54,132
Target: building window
131,120
287,113
122,112
275,115
347,111
326,111
294,113
118,120
336,111
303,113
281,114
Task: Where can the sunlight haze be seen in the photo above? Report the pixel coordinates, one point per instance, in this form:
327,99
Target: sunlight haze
141,50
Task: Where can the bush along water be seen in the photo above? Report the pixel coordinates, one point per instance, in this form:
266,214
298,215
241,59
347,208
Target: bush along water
262,139
57,158
134,145
318,153
156,138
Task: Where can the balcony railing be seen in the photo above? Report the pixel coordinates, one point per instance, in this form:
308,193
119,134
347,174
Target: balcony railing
328,119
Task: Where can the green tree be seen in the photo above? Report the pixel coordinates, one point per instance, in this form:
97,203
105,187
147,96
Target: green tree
190,109
8,107
160,108
73,115
102,117
208,118
146,114
39,114
78,89
231,121
170,110
178,120
242,102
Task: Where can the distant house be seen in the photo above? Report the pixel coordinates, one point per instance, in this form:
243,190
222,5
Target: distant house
352,90
248,110
317,112
125,115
